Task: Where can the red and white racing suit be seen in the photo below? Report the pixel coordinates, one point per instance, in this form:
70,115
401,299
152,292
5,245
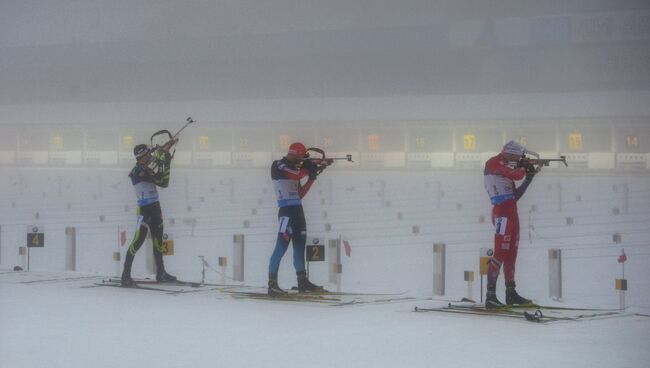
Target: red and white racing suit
291,217
499,180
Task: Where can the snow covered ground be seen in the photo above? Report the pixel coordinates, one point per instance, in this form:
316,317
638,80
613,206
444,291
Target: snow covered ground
63,324
67,324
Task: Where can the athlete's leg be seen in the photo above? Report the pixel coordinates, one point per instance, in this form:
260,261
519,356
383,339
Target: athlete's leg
501,249
299,240
299,226
136,243
512,297
512,237
281,245
157,239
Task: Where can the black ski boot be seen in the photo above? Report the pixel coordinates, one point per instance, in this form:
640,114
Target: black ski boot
304,285
127,281
165,277
491,301
274,288
512,298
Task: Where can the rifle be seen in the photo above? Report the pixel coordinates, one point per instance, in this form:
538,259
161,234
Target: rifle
167,137
169,140
323,161
527,161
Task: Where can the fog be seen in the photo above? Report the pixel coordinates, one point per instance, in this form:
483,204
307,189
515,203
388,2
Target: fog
112,61
420,93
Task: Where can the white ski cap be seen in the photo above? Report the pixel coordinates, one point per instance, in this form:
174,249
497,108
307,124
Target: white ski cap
514,148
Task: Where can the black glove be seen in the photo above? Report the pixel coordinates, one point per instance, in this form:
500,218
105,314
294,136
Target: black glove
531,171
308,164
312,168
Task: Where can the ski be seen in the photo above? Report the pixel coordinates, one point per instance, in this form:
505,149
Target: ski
461,300
529,312
221,287
476,312
144,287
534,306
134,287
60,279
360,301
560,308
342,293
290,296
536,316
331,298
156,282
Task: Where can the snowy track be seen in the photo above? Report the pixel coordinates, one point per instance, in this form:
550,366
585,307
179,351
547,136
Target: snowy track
64,324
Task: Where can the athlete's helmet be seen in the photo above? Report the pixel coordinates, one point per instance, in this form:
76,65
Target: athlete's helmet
297,149
513,148
140,150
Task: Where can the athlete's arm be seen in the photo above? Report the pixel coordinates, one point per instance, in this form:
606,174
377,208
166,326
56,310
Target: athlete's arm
522,189
293,174
497,167
304,189
161,177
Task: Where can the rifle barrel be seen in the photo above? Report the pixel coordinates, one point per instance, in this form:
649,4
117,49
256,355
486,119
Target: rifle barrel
545,161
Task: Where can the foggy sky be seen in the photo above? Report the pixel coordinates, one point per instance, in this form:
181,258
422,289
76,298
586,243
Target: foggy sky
149,52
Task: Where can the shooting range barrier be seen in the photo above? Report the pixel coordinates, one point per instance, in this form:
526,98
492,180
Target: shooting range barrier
439,259
621,286
555,274
468,276
70,249
238,257
223,263
335,266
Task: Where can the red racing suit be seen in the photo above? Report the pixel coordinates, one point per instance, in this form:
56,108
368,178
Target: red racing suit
499,180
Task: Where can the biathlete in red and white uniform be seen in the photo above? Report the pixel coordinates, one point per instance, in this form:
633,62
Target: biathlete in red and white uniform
286,175
500,174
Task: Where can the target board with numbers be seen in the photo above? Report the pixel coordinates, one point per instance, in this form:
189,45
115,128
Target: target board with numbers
168,245
36,240
35,237
315,253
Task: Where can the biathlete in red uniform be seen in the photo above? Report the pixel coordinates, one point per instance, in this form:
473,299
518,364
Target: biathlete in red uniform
500,174
286,175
